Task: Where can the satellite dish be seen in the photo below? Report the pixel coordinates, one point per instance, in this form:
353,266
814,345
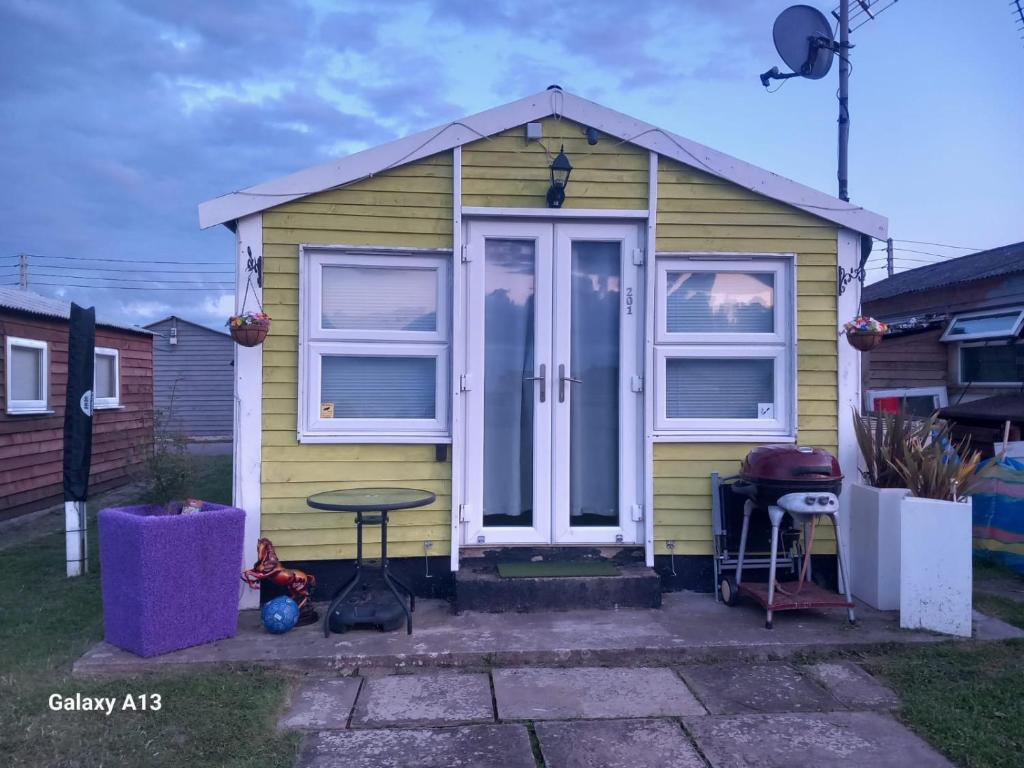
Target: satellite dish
803,38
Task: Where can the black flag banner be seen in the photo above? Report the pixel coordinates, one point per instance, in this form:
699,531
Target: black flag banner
78,433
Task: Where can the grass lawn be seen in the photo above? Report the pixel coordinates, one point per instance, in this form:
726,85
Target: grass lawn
47,621
966,699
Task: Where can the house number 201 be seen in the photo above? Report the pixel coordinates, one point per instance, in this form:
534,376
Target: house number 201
629,300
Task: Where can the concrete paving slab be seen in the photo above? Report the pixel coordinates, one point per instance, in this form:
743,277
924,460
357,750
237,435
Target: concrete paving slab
735,688
811,740
440,698
616,744
591,692
473,746
688,627
852,685
323,704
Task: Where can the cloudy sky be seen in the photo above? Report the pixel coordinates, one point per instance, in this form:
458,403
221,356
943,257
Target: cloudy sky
118,118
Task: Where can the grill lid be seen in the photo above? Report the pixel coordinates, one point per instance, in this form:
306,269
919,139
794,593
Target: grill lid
790,464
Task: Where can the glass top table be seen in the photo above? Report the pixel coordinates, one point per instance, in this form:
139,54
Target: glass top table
371,506
370,499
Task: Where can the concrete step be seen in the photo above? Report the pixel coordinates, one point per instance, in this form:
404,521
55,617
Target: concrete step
478,587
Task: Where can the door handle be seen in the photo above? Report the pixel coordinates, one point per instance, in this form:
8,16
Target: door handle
543,379
562,378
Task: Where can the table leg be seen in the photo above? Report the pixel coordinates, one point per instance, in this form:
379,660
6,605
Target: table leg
342,592
390,580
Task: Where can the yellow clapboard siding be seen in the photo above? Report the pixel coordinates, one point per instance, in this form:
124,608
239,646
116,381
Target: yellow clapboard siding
407,206
396,548
507,171
341,535
369,471
698,213
394,221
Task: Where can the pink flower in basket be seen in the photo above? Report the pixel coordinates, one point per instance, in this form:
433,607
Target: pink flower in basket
248,318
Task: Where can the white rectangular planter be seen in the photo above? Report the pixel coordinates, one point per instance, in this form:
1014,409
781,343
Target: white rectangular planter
935,573
875,545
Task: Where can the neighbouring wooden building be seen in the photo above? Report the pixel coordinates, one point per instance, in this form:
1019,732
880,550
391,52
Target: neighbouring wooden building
193,380
34,344
955,332
558,376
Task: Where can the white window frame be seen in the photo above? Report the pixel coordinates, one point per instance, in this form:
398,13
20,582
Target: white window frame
1015,331
28,407
315,342
937,392
779,346
974,383
101,403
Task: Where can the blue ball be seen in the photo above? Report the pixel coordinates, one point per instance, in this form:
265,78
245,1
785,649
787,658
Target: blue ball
280,615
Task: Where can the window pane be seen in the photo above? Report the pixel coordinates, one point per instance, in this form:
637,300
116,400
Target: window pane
379,387
914,405
717,388
995,325
720,302
106,376
26,373
1004,362
379,298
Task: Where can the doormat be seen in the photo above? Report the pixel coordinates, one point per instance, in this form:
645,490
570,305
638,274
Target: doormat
557,569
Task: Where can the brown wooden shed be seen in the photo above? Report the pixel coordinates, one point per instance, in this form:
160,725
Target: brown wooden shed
33,377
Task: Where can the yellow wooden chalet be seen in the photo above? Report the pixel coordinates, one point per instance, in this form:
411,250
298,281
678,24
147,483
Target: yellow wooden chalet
560,373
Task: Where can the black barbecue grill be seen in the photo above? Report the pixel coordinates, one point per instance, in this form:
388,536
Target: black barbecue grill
777,497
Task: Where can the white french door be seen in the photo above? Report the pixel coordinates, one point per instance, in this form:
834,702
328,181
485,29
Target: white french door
553,442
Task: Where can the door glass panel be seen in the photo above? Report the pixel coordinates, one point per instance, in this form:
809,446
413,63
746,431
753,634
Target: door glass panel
594,412
509,291
720,302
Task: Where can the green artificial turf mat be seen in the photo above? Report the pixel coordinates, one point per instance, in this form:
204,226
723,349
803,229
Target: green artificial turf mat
557,568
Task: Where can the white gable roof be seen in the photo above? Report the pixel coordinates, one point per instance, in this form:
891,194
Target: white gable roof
371,161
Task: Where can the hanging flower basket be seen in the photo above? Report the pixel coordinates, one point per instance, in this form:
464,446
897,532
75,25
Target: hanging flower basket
864,333
249,329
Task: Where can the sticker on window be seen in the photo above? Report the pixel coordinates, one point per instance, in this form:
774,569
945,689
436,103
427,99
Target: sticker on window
766,410
326,410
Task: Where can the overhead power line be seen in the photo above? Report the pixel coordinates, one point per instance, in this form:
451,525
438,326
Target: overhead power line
124,287
139,262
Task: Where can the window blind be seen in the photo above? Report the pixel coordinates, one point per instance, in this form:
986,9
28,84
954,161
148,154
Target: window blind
379,298
372,387
720,302
709,388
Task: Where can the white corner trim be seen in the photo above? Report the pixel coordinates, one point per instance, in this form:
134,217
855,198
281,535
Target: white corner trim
849,387
457,363
650,245
337,173
248,421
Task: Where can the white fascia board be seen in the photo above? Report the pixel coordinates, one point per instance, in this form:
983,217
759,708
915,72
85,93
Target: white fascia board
444,137
373,160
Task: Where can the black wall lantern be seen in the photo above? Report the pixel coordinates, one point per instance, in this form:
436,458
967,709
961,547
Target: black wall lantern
560,170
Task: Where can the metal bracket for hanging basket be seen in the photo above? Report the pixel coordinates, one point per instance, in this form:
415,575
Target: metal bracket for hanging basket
254,266
844,277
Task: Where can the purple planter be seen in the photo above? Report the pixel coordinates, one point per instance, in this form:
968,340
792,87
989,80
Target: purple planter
169,581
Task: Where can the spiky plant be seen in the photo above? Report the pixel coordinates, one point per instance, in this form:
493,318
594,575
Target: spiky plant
881,439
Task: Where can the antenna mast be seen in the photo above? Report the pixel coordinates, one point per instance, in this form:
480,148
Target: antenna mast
844,97
23,271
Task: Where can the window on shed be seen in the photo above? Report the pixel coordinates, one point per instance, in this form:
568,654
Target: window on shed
992,364
106,389
375,340
27,380
724,346
1001,324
